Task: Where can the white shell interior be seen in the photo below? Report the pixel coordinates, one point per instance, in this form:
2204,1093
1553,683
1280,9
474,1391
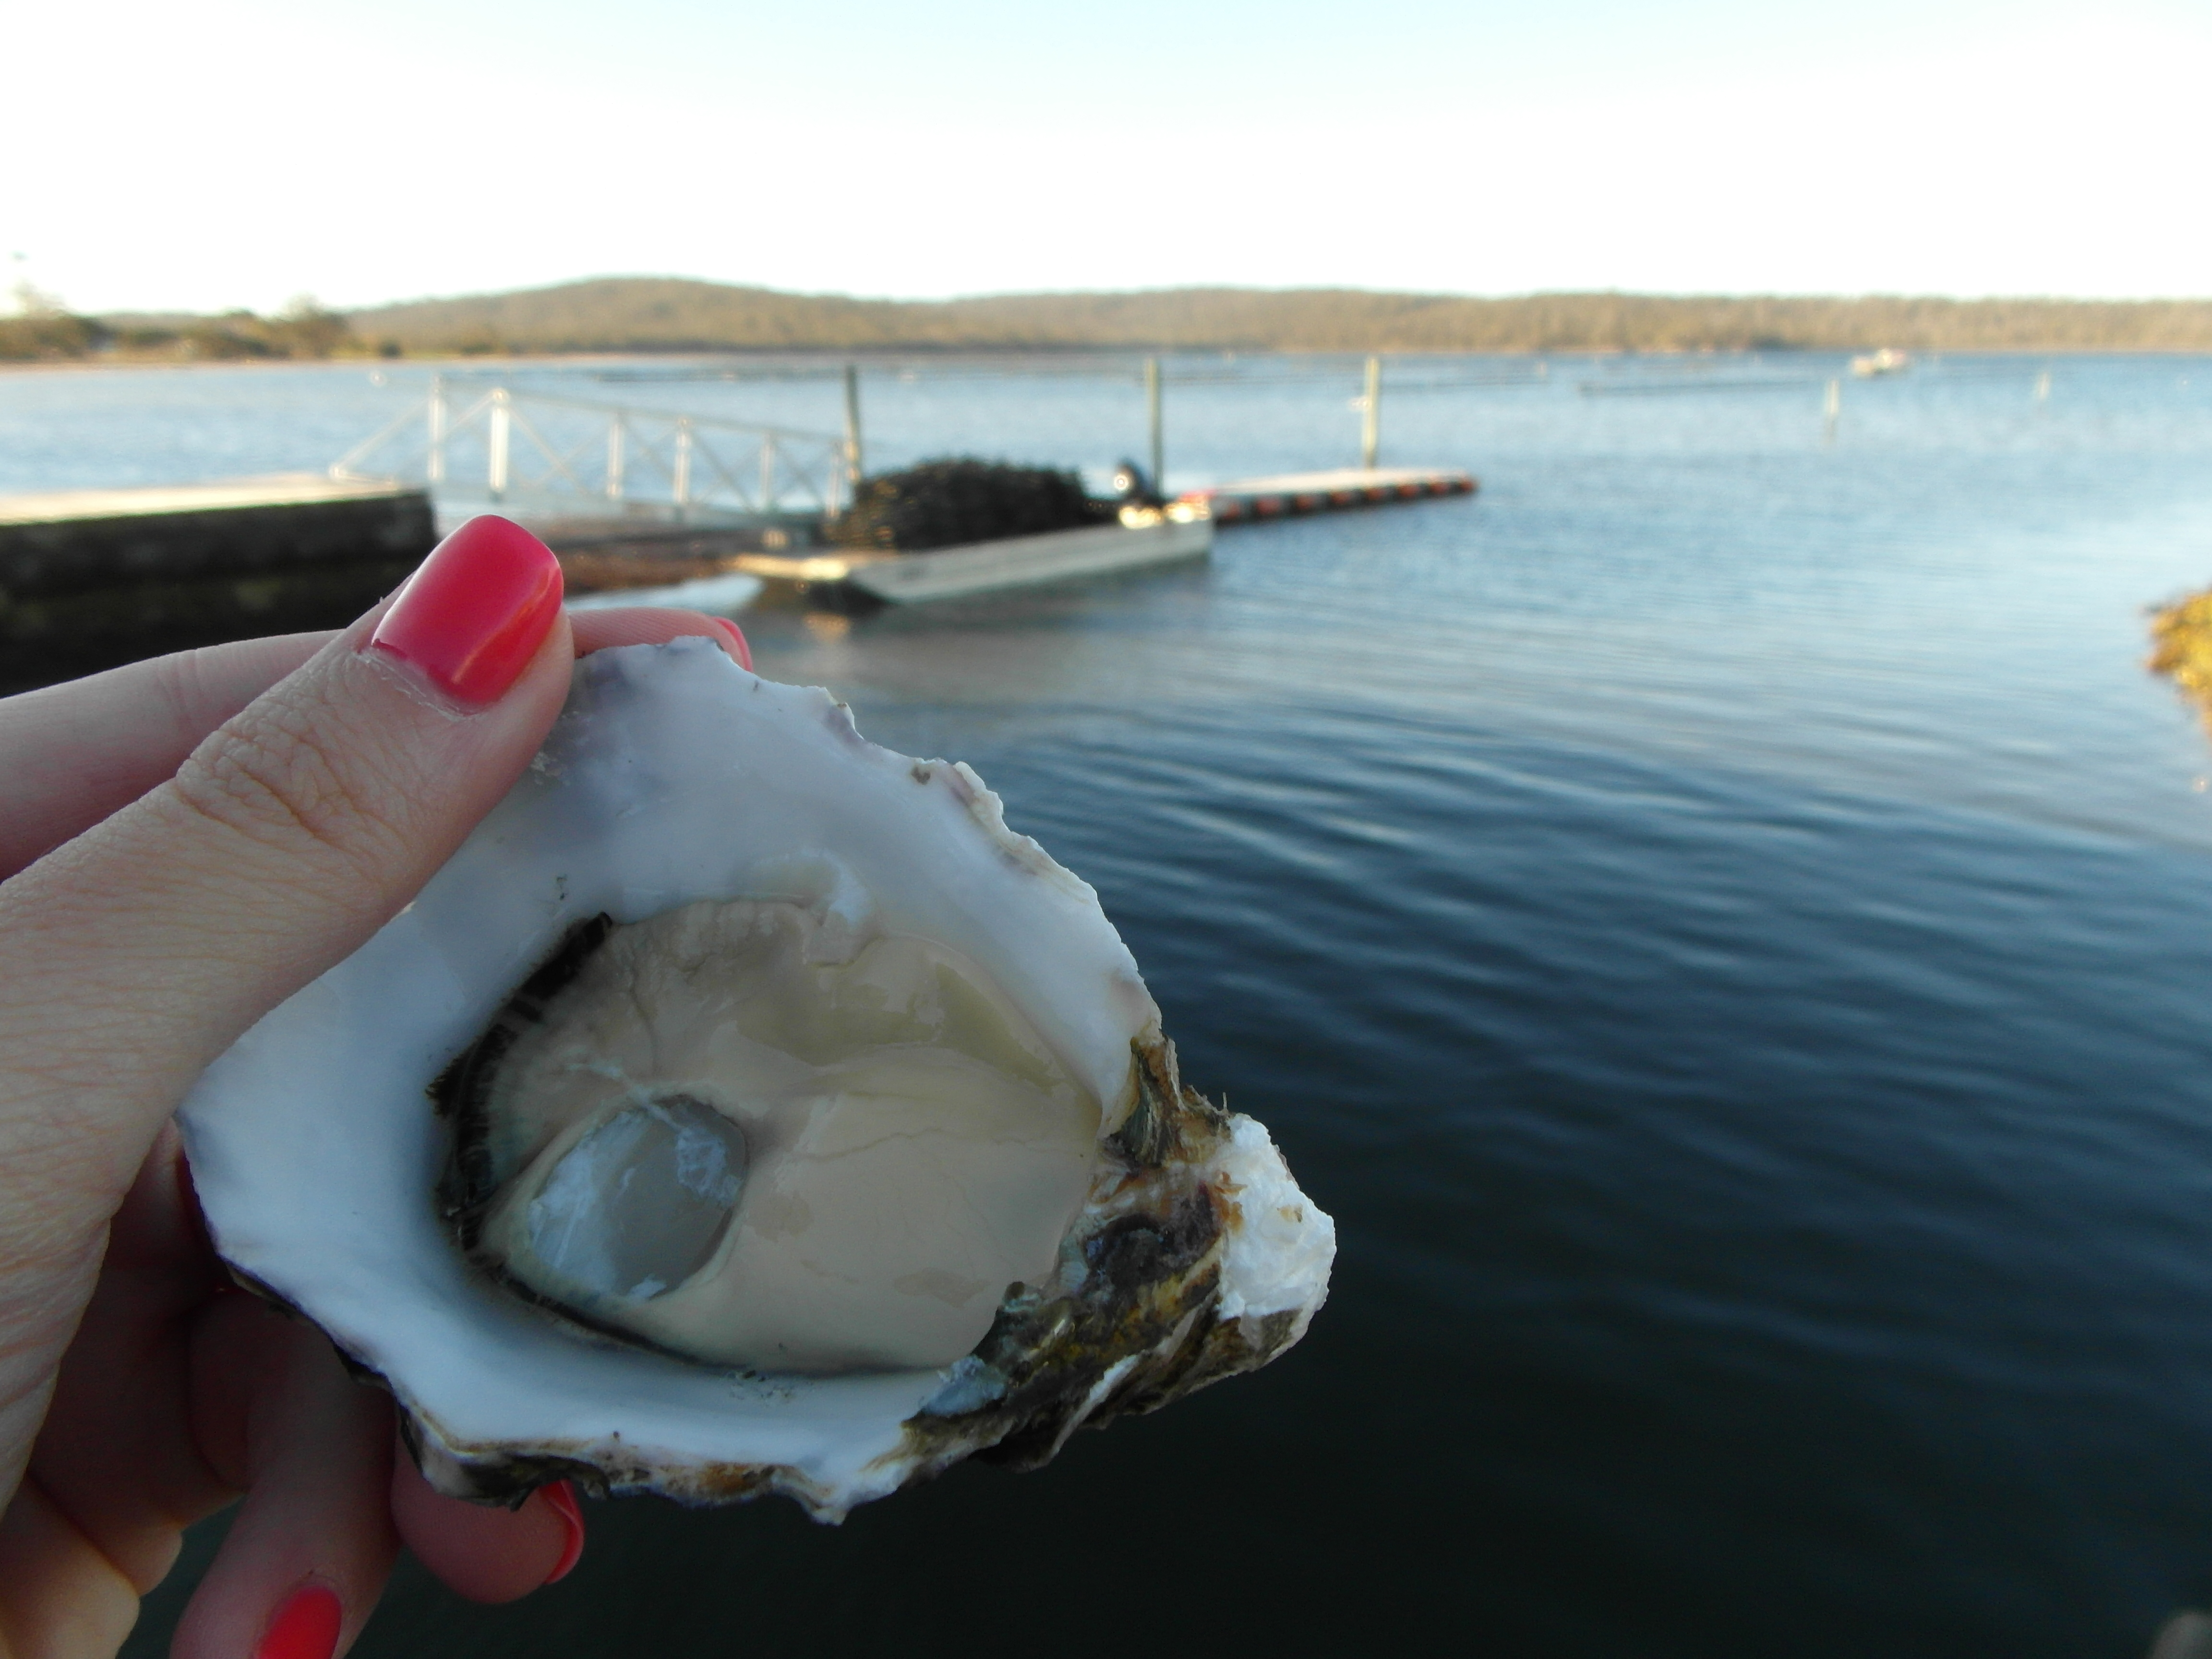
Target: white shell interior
673,776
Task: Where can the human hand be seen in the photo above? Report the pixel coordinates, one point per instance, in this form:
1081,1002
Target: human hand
186,842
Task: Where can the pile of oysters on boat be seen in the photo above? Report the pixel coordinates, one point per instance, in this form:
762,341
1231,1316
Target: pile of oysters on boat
746,1109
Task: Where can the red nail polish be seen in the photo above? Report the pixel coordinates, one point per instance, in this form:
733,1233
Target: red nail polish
305,1627
745,653
475,613
560,1498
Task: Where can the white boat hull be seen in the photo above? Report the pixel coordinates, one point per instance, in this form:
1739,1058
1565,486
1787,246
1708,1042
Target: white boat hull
1062,556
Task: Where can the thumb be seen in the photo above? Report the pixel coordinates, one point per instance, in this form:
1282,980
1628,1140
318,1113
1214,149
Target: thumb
132,956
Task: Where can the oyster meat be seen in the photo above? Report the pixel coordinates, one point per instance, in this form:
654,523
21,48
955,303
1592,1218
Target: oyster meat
698,1131
745,1108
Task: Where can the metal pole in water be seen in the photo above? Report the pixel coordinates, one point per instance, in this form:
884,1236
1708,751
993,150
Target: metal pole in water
614,458
1832,409
502,426
1153,414
1371,418
2043,391
683,468
436,469
853,429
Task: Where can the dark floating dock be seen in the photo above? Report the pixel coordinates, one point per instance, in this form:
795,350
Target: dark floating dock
91,578
1338,491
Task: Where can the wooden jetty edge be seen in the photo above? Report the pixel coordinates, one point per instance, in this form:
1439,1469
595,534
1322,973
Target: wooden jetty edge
89,578
1294,493
93,577
276,489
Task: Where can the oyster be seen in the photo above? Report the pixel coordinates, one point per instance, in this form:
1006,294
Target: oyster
746,1109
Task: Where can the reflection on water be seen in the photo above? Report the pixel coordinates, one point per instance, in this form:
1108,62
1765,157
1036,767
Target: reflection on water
1723,923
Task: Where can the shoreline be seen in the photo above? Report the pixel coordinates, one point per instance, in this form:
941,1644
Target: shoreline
117,362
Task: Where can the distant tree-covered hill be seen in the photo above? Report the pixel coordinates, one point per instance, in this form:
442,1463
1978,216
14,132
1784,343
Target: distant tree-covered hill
46,332
648,314
664,313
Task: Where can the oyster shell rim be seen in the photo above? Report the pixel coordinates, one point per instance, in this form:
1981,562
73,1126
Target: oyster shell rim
1109,1338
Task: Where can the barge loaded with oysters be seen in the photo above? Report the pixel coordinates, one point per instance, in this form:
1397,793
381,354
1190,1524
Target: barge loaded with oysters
746,1109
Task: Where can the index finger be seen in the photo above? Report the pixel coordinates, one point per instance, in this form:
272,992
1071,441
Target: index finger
78,752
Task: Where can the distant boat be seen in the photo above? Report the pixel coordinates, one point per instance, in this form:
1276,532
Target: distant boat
1869,365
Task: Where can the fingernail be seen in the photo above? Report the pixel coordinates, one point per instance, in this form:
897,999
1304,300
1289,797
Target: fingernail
305,1627
738,646
560,1498
475,613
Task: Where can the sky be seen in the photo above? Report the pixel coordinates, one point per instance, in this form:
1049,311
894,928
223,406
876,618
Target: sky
241,152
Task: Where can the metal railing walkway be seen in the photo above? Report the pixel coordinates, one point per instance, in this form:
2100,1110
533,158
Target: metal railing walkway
534,448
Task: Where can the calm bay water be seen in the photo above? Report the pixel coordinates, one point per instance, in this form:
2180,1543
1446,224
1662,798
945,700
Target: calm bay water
1724,921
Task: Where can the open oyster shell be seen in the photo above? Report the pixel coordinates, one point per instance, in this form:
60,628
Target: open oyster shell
673,777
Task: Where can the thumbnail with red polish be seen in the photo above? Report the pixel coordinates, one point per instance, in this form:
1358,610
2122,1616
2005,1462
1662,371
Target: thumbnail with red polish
305,1627
737,636
560,1498
474,615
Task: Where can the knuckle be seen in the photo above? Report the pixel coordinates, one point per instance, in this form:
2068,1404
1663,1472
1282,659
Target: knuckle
275,784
